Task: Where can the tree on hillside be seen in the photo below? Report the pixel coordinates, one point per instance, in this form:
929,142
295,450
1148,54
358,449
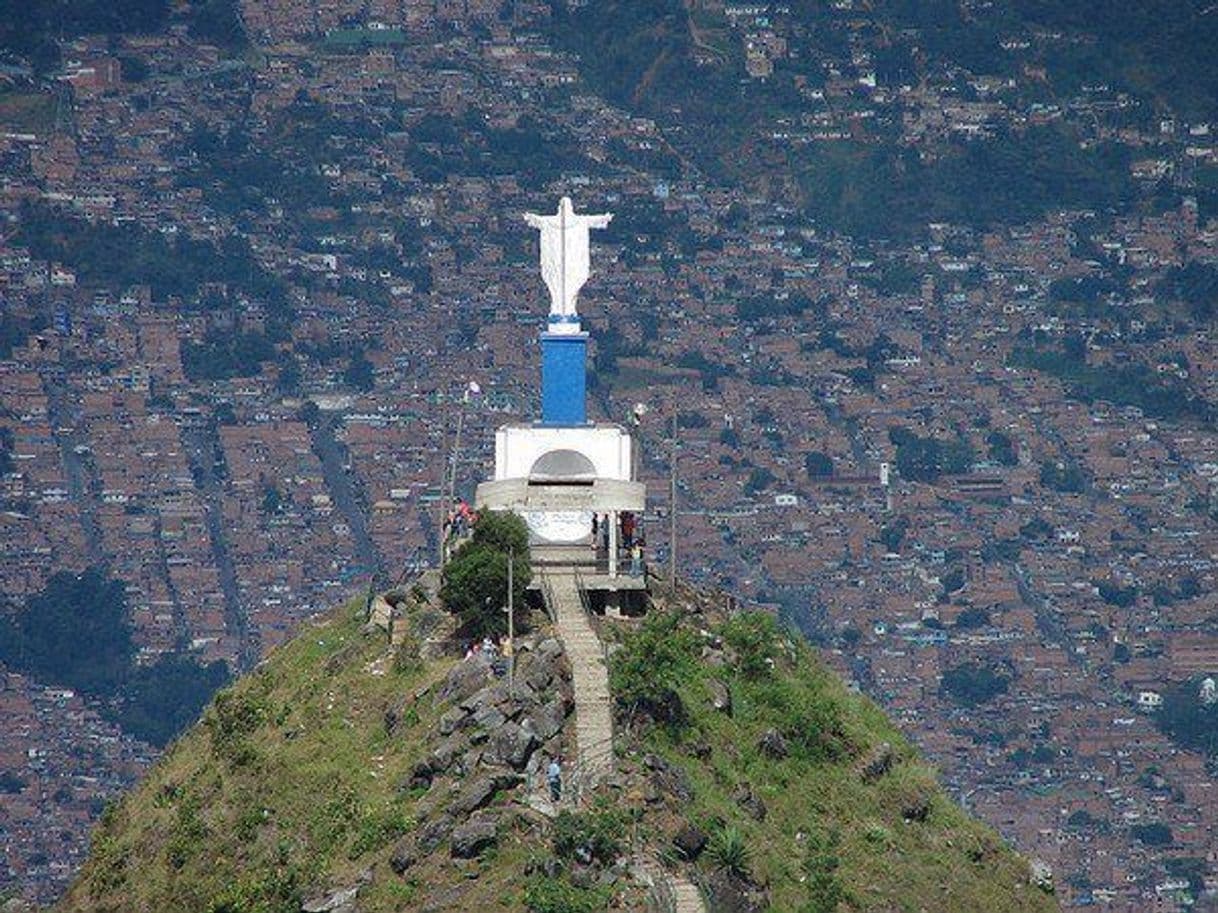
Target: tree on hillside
970,684
475,585
75,632
817,465
161,700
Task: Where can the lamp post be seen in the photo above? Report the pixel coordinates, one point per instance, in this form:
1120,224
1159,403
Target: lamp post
471,388
511,641
672,506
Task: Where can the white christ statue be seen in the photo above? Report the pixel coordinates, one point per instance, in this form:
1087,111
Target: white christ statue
564,254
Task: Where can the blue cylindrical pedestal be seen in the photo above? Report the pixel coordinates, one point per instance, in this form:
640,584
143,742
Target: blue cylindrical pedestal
564,378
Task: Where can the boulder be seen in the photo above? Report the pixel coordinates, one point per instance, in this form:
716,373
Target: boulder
445,753
451,721
750,802
548,866
479,791
916,806
538,669
547,720
465,679
720,696
468,762
877,763
689,842
512,745
395,714
490,695
331,902
489,719
773,744
405,854
433,833
669,779
550,648
421,776
472,838
729,894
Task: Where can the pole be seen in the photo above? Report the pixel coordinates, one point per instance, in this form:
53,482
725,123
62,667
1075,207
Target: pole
511,629
456,455
447,496
443,494
672,506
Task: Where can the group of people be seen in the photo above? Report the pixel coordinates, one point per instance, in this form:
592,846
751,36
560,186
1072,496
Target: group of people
630,529
485,647
457,525
497,654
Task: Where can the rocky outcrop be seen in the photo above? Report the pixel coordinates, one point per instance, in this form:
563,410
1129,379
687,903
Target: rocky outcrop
479,791
750,802
689,843
337,900
877,763
773,744
476,835
720,696
488,738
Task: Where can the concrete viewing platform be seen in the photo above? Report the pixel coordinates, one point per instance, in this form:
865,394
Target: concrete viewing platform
592,568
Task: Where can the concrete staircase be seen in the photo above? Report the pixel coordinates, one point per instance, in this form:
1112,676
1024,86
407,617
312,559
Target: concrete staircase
688,897
668,892
590,676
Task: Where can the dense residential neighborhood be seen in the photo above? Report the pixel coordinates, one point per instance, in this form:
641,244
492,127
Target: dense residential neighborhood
976,466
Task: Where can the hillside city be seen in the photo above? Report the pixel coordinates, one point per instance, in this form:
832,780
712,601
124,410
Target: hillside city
245,290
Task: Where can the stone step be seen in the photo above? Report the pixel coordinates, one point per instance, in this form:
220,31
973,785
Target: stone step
590,677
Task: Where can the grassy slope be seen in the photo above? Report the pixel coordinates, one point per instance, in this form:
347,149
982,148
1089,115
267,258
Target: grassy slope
947,862
317,802
292,783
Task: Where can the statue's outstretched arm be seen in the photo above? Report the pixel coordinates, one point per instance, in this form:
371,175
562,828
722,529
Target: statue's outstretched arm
535,220
601,221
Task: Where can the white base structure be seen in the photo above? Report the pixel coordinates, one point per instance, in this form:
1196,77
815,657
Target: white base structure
543,453
557,479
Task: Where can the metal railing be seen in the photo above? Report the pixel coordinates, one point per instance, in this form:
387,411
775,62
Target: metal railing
587,606
547,596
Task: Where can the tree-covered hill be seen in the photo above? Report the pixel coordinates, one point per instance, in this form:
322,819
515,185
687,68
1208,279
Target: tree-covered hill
865,172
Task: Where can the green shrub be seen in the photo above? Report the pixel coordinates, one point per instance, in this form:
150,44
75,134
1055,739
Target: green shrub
754,636
645,672
598,834
377,827
187,834
729,851
820,873
261,891
557,895
810,721
232,718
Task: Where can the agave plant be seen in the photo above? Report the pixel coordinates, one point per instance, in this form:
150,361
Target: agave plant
730,851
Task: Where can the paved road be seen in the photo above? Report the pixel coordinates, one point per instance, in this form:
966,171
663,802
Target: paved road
341,484
64,418
202,444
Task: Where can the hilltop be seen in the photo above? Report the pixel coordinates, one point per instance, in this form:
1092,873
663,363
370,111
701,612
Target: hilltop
353,771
